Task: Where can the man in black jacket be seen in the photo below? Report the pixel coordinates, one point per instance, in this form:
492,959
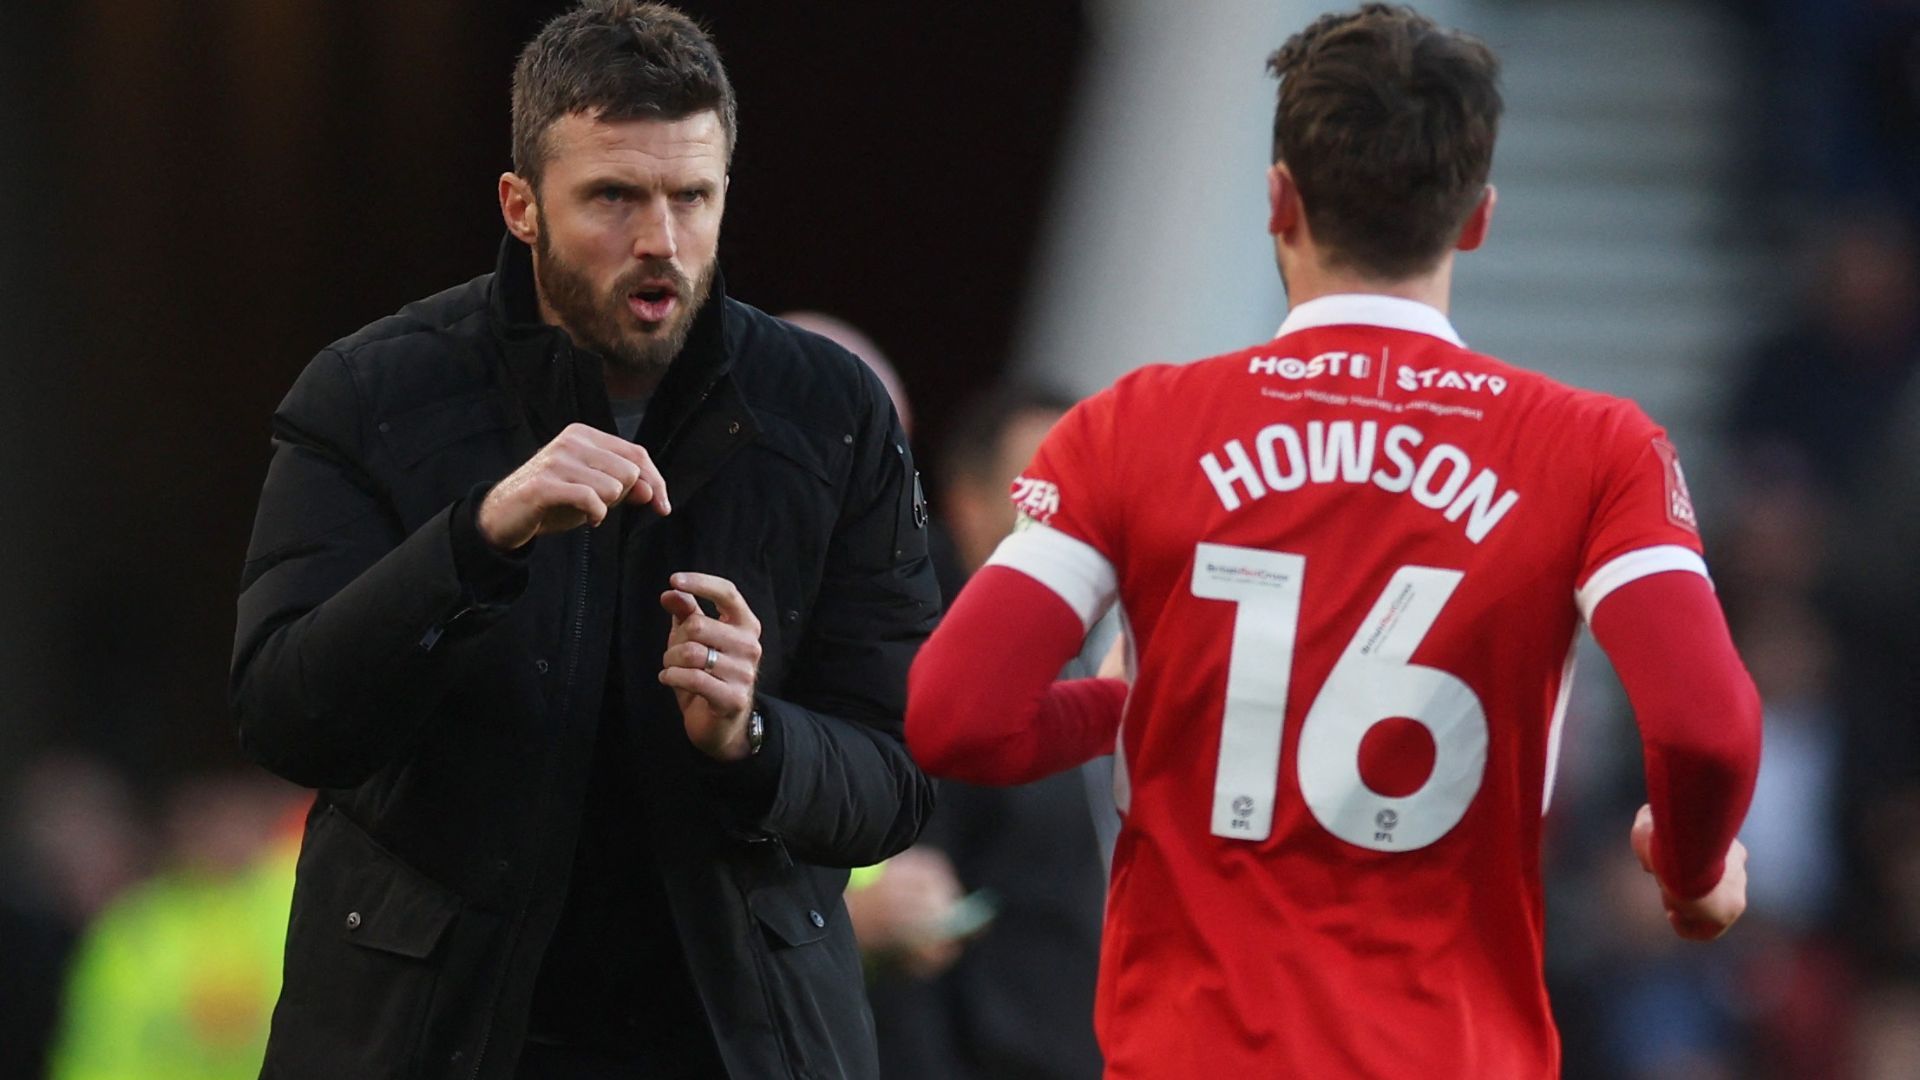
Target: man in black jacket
585,595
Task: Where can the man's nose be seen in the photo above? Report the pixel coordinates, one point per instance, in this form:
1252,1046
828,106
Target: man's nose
655,236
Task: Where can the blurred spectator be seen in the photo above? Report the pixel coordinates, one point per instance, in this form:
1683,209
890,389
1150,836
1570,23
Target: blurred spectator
852,339
898,909
176,980
70,846
79,832
1018,1001
990,442
1796,800
1818,400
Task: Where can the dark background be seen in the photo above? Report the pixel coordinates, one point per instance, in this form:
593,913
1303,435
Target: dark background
205,195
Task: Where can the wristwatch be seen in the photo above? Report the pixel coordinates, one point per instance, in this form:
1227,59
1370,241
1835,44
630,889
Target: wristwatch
756,733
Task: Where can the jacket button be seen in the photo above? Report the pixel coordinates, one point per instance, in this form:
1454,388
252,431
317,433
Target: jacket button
793,616
816,918
540,666
353,920
733,428
848,439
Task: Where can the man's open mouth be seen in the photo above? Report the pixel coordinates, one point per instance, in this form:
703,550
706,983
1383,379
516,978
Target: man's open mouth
653,302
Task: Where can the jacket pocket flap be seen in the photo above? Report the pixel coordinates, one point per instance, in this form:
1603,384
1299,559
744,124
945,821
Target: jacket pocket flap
824,458
387,905
787,916
413,435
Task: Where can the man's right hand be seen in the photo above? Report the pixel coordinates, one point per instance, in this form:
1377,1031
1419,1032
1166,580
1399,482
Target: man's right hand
577,479
1706,917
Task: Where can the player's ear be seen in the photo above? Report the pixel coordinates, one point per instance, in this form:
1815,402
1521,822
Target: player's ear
519,207
1474,232
1283,200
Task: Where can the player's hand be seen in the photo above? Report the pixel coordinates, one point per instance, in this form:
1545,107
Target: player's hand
577,479
712,664
1703,918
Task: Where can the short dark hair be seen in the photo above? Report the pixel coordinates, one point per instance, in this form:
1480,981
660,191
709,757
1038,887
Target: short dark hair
1386,122
616,60
972,447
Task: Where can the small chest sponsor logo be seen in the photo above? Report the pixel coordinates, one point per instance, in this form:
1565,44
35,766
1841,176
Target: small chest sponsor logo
1474,382
1036,499
1337,364
1679,499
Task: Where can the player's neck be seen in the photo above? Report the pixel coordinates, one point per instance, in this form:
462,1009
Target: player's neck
1307,281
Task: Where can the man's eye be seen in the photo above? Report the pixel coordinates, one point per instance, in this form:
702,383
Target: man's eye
610,194
691,196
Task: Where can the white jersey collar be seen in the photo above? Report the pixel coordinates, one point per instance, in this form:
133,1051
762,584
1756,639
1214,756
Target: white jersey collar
1369,309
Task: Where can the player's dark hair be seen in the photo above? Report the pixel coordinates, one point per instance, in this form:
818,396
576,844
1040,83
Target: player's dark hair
972,446
615,60
1387,123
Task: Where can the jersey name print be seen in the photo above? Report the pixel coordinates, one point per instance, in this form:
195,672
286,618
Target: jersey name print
1343,451
1353,561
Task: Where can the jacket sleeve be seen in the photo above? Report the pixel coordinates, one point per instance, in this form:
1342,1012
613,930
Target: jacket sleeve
350,630
847,793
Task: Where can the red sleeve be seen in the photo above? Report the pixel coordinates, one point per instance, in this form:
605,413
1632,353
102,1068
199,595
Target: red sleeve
1640,497
1699,718
1068,484
982,703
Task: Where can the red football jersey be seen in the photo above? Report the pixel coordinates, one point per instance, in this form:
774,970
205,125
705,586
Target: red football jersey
1352,561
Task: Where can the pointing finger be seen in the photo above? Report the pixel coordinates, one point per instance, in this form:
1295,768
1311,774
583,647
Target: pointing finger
725,596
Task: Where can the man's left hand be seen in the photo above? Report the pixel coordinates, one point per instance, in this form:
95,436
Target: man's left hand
712,663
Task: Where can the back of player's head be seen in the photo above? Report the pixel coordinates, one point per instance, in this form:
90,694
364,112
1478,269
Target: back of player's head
615,60
1386,122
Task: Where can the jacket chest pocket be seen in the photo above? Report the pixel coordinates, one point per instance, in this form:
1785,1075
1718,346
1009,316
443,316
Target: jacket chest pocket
441,450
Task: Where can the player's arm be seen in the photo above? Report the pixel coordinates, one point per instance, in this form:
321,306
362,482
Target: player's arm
982,703
1699,719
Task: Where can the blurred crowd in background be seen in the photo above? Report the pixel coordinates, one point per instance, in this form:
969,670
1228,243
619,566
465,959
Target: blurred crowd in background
141,921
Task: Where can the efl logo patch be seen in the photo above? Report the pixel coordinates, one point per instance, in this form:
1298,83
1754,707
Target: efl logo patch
1679,501
1037,499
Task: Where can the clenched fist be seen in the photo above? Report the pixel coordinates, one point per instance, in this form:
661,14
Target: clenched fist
1702,918
577,479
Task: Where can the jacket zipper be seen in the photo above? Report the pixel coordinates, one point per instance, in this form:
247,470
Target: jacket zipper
566,698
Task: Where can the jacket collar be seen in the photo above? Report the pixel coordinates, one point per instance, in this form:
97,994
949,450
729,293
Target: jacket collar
697,417
538,354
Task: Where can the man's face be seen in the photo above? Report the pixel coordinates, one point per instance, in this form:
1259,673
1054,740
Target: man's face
629,219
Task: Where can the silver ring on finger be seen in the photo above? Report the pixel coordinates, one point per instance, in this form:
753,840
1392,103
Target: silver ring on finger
713,657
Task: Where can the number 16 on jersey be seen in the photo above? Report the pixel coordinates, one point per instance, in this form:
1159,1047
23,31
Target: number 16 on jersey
1374,680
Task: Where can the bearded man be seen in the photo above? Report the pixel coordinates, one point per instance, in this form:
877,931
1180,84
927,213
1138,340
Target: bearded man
585,595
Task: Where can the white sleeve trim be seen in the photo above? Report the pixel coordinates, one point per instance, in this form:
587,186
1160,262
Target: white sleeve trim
1073,569
1633,566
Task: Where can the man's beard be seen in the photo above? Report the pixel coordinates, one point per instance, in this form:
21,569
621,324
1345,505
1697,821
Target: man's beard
605,325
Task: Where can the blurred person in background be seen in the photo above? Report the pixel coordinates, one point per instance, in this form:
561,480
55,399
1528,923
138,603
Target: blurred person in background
585,593
896,907
1017,1002
1373,575
1818,400
177,978
1013,998
72,843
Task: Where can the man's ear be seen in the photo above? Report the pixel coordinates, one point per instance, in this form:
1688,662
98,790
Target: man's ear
1284,210
1474,232
520,208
